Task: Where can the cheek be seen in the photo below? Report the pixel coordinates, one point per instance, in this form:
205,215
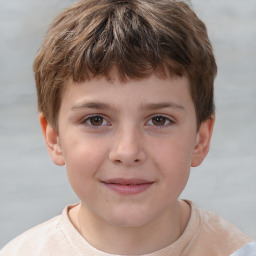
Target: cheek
175,174
174,153
173,160
83,161
83,152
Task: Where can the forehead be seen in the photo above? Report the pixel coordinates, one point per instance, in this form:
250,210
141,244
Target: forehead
141,91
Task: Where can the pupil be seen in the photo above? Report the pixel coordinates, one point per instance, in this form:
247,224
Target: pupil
97,120
158,120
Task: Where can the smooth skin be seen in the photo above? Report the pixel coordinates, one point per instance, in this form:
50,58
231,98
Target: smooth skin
128,148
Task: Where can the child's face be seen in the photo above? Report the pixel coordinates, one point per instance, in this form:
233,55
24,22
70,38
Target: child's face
128,147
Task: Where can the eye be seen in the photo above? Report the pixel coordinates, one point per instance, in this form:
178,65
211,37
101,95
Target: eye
96,121
160,121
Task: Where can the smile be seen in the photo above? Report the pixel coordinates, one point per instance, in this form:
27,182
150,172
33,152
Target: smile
128,186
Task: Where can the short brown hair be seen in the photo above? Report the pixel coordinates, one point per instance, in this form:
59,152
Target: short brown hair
137,37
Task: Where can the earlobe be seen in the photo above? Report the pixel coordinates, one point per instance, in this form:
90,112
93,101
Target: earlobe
203,141
52,141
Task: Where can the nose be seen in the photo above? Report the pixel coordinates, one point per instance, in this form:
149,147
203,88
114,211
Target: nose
127,148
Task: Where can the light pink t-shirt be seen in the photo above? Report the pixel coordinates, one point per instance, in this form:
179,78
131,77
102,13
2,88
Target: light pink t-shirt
206,234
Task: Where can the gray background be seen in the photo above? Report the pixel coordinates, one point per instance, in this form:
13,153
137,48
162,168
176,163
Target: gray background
32,189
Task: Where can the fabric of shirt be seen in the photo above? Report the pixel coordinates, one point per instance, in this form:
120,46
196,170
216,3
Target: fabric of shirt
206,234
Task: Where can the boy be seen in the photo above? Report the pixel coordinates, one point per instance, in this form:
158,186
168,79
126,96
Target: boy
125,95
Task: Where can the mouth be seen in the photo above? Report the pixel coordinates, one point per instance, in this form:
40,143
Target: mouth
128,186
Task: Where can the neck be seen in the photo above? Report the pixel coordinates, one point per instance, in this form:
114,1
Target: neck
145,239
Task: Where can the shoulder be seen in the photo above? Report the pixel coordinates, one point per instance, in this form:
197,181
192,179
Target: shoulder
32,238
218,235
213,223
48,238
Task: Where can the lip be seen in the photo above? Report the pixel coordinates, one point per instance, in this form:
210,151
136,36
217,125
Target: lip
128,186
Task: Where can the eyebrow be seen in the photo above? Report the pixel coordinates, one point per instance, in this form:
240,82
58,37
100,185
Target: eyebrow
93,105
148,106
161,105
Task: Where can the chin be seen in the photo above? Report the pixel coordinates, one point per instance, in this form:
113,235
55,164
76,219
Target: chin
129,218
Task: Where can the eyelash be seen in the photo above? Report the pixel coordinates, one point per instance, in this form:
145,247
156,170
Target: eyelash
88,121
167,121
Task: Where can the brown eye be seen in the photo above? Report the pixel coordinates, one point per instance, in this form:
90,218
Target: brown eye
96,120
159,120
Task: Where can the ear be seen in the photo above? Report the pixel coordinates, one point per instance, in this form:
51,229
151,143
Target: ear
52,141
203,141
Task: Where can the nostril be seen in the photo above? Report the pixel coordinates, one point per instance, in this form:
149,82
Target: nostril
127,157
